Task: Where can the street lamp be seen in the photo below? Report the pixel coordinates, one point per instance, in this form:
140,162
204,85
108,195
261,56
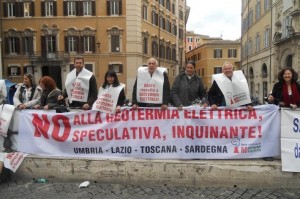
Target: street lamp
98,46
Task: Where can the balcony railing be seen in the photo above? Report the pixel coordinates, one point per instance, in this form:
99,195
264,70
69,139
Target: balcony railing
42,57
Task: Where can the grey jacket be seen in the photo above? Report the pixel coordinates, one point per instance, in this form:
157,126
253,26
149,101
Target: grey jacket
185,91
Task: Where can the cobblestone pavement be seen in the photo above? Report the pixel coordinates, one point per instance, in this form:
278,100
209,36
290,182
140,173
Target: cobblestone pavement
21,189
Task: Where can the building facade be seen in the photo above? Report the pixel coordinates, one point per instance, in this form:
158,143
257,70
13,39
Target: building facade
42,37
193,40
210,57
286,34
258,53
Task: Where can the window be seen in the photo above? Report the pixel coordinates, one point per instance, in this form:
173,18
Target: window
114,7
145,12
13,45
29,69
49,9
232,53
154,49
173,8
264,71
18,9
202,72
145,46
28,45
250,18
190,39
168,53
154,18
257,10
115,37
87,43
181,15
250,47
180,33
267,37
168,5
266,5
14,71
162,23
251,73
27,9
217,69
174,54
72,44
218,53
257,43
11,9
190,48
79,8
118,68
265,88
71,8
287,24
162,50
87,8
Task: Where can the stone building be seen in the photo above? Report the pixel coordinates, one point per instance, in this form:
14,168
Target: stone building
43,36
270,41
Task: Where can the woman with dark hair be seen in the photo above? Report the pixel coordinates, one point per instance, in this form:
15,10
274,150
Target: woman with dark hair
50,93
27,94
188,88
286,92
111,94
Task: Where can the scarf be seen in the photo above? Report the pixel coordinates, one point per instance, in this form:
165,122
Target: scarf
294,98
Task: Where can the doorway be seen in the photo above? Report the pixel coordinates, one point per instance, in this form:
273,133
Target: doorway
54,72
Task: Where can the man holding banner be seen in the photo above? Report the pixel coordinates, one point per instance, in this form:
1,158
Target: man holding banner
230,88
81,86
152,87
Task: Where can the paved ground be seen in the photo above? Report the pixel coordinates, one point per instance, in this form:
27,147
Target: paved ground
20,189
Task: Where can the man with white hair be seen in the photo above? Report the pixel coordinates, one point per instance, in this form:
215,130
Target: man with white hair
217,93
152,87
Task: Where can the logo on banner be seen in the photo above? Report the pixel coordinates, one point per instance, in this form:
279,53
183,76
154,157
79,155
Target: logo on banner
244,148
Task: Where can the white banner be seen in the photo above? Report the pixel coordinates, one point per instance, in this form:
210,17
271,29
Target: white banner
193,133
235,91
290,140
6,113
150,87
108,98
13,160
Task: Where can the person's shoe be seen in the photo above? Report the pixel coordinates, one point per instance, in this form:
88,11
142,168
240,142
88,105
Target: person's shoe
270,159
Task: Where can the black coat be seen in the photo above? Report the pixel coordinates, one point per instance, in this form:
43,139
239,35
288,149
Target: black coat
277,92
215,95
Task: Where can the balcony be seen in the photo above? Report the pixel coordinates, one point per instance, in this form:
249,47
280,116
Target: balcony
53,58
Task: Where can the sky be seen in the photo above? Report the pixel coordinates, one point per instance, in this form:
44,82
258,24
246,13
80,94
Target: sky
215,18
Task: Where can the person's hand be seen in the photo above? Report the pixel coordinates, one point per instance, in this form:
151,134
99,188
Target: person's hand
36,106
46,107
270,98
164,106
86,106
214,107
60,97
249,108
118,109
21,106
204,105
135,106
293,106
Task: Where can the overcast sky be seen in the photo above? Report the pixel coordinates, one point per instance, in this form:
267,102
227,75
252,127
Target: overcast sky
215,18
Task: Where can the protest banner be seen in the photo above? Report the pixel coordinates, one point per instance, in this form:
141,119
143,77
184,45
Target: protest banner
153,133
290,140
